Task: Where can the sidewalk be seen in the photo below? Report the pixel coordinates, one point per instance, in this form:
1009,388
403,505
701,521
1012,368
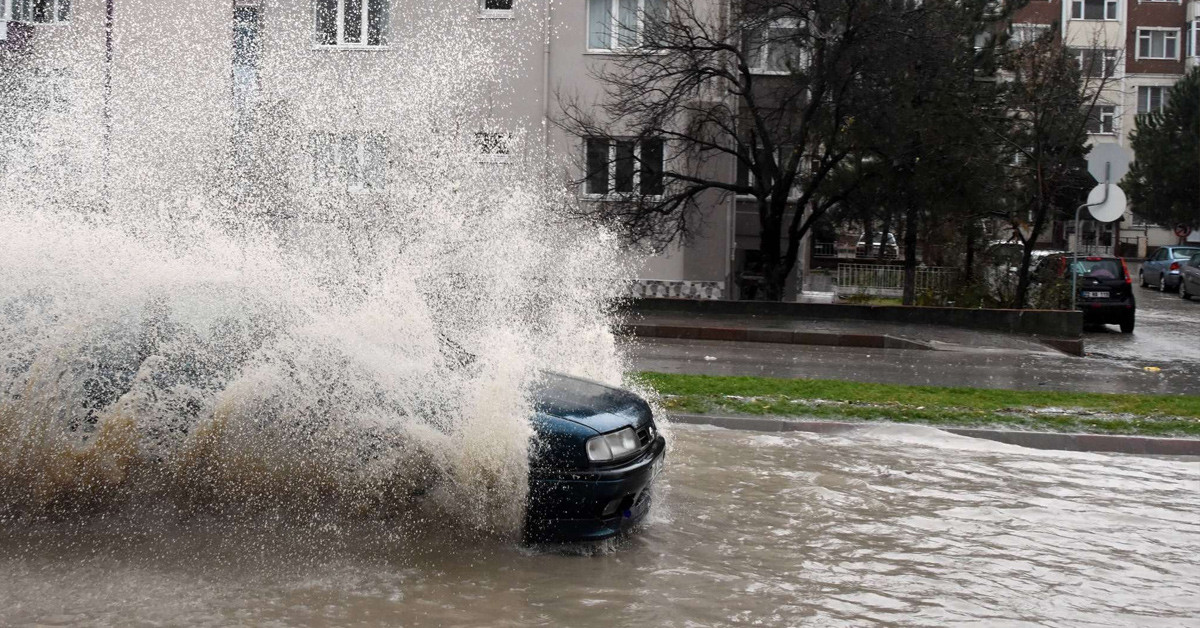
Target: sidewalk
1108,443
839,333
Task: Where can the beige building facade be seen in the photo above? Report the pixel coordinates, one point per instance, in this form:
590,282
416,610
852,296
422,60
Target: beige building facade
197,64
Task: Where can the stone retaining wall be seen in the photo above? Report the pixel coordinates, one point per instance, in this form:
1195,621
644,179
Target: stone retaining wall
1047,323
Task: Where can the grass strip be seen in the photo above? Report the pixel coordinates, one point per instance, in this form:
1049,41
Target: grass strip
1147,415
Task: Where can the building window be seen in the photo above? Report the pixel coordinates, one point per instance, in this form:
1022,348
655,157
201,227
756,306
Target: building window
1158,43
1025,34
354,162
493,146
782,155
1151,99
351,23
1194,38
623,167
247,26
497,8
775,48
1102,120
1096,62
1093,9
617,24
38,11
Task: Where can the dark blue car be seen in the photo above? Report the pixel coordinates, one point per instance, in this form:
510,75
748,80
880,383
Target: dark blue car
595,456
1162,269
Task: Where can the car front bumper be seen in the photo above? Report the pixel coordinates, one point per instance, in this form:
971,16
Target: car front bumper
592,505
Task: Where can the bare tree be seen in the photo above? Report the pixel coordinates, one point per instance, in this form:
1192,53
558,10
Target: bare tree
1051,104
767,87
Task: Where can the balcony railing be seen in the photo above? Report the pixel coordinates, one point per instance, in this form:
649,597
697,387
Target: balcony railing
887,280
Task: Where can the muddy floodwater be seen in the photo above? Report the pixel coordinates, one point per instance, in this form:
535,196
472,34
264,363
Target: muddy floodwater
894,526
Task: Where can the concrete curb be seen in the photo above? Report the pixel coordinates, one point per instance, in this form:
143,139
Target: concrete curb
1105,443
780,336
784,336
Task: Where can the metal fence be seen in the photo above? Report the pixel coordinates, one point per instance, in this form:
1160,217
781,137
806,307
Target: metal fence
824,249
888,280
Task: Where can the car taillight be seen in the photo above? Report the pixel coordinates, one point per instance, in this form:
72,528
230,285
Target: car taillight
1174,265
1125,269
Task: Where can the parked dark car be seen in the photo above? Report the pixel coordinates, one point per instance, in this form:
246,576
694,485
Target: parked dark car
1162,269
1189,278
886,241
1104,287
596,454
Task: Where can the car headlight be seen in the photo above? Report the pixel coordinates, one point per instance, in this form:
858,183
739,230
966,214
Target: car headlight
612,446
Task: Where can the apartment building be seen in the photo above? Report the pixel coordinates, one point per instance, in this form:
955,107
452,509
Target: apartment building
107,58
1140,48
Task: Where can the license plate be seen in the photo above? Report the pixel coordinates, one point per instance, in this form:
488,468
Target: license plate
1094,294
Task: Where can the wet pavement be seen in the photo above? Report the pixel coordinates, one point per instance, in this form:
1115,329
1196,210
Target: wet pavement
1166,338
893,526
1167,332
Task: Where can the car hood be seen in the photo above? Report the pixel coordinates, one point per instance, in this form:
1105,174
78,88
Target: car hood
587,403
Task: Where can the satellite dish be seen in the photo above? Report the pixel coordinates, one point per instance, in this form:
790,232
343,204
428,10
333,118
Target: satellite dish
1110,209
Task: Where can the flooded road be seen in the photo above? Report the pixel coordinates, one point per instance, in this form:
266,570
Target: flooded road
893,526
1167,334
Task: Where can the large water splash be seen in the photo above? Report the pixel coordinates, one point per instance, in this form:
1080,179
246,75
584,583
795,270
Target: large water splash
317,290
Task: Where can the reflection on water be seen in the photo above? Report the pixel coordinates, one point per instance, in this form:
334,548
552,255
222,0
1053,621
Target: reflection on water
892,526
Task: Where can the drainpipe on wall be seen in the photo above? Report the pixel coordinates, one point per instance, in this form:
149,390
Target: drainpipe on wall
109,13
546,31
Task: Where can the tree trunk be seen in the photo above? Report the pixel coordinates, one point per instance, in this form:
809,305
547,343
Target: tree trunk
910,254
969,270
775,271
881,256
1039,219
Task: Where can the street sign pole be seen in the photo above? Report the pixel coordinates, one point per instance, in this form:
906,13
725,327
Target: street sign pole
1075,248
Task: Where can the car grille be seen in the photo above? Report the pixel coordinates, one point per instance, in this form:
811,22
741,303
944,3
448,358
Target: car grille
645,435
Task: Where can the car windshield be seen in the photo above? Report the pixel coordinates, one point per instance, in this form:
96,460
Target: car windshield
1098,268
1183,253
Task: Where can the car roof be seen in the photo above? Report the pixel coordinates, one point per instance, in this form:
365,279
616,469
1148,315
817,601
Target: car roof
1084,256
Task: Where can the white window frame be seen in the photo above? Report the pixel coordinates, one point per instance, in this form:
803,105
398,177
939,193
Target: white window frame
1193,40
1113,116
364,28
503,14
1116,11
11,14
1025,33
1163,91
1149,31
765,52
614,25
806,163
1108,53
337,161
636,184
494,147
